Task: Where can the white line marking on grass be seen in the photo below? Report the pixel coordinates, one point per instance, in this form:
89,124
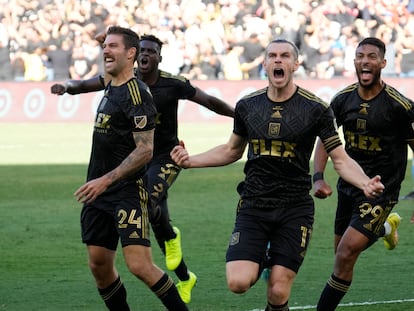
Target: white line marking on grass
351,304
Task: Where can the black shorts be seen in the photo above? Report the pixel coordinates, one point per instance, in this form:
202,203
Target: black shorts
363,214
288,229
160,174
117,216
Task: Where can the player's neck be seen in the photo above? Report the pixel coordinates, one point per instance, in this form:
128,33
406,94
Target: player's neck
281,94
123,77
150,78
368,93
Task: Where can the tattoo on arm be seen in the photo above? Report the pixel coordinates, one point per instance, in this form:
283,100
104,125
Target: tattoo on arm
140,156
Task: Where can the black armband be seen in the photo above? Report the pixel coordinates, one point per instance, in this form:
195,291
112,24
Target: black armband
317,176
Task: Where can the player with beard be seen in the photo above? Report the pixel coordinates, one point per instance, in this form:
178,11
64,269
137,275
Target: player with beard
162,171
114,206
275,212
377,123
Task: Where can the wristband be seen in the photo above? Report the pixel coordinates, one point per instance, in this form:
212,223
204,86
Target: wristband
317,176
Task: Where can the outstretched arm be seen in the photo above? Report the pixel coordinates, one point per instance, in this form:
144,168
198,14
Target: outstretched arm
352,173
217,156
74,87
213,103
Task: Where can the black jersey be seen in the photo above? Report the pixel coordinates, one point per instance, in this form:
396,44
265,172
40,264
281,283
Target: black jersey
281,137
123,110
167,91
376,133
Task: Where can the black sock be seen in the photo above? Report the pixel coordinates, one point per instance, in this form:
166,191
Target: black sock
270,307
335,289
182,271
167,292
115,296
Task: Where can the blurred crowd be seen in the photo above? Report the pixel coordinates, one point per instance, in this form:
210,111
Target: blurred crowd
45,40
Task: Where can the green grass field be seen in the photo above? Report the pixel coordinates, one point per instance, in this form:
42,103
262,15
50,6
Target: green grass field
43,264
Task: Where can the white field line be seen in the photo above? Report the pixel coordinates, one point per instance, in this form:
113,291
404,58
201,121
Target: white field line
352,304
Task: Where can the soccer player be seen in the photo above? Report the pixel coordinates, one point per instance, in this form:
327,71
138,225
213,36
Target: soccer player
279,124
114,206
162,171
377,123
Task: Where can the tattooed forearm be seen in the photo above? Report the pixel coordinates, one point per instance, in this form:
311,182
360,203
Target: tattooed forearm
140,156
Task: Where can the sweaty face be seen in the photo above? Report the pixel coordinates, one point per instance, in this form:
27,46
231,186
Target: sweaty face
280,63
149,56
368,65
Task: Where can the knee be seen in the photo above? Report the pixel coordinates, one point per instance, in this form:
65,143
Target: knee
345,254
238,285
138,268
277,294
145,270
103,272
99,265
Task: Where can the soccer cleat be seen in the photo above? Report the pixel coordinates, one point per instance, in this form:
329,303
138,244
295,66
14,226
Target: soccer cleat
173,253
185,287
391,240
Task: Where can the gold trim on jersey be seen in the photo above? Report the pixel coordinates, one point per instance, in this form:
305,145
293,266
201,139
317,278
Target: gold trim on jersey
347,89
305,93
399,98
144,200
391,91
258,92
332,142
133,88
167,75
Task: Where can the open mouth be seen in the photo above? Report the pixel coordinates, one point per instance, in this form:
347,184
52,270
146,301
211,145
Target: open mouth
108,61
278,73
143,61
366,73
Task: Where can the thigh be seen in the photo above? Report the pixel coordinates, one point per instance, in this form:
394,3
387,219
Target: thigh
131,214
250,235
98,225
369,217
291,232
344,212
241,274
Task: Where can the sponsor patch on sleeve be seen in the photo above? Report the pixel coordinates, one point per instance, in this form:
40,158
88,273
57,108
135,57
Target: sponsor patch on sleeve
140,121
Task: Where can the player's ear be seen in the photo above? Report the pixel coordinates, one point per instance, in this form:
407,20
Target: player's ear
133,53
160,58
